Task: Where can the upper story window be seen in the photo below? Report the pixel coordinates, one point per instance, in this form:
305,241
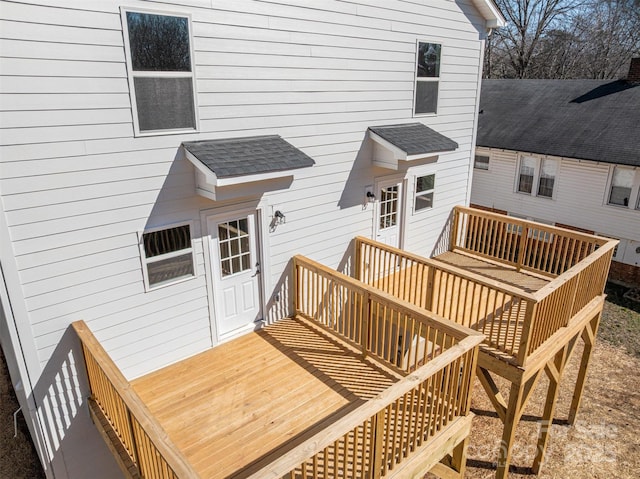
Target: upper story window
167,255
624,189
425,186
160,68
427,78
536,176
481,162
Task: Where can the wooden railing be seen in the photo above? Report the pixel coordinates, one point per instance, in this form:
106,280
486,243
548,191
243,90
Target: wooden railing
515,322
374,439
149,450
527,245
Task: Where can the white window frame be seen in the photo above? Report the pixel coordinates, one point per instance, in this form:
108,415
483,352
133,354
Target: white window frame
416,79
145,261
536,176
634,194
153,74
417,193
475,161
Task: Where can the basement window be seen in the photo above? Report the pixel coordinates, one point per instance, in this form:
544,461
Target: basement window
167,255
481,162
160,68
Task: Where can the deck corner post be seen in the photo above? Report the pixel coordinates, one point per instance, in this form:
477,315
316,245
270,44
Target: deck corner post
357,258
296,287
454,228
366,326
527,333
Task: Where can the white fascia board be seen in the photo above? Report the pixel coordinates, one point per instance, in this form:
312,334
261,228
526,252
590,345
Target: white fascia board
491,13
398,154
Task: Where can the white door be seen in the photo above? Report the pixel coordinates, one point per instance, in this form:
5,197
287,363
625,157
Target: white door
388,219
235,271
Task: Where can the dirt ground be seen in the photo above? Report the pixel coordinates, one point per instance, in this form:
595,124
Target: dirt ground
603,444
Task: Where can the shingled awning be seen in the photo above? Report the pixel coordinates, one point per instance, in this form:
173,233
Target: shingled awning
234,161
407,142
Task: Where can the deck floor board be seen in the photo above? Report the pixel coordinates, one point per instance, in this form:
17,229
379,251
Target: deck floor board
228,407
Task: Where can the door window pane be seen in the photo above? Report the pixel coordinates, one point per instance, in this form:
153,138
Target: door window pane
388,207
234,240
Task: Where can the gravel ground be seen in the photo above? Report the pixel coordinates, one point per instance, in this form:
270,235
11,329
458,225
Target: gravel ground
602,445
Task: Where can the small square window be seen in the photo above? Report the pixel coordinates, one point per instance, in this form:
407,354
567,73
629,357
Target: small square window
160,69
481,162
427,78
425,186
167,255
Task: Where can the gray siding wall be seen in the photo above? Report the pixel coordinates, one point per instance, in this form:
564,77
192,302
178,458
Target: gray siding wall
77,186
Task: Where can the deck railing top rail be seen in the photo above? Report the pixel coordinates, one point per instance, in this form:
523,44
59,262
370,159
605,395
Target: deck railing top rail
526,245
136,415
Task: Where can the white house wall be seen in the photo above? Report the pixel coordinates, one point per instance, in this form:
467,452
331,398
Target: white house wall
580,197
77,186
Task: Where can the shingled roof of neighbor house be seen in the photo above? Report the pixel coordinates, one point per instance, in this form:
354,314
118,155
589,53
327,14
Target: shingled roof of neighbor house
414,138
252,155
585,119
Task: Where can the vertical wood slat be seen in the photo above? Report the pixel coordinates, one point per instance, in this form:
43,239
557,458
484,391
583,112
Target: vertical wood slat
150,450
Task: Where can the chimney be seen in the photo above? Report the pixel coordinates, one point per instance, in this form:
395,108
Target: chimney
634,71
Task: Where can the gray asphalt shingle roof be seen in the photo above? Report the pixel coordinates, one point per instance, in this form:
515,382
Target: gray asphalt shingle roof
414,138
586,119
248,156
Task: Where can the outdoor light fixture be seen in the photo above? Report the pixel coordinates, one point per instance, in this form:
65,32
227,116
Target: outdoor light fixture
280,218
370,197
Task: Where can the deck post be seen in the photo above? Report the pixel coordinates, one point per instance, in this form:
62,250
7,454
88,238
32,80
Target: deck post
296,287
357,266
454,228
366,326
509,433
589,337
554,370
377,438
522,246
527,332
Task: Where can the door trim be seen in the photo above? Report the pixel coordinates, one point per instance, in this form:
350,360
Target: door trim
250,207
402,203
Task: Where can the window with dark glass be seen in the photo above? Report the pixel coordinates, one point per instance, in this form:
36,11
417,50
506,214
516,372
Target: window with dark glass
425,186
161,71
168,255
527,171
427,78
481,162
547,177
621,186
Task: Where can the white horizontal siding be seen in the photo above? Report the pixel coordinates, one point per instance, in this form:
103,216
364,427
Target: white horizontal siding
77,186
580,195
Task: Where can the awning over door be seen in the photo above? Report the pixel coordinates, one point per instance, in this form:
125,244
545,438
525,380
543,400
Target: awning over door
407,142
238,161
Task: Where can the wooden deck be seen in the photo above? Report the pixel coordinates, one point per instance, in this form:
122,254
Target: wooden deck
231,406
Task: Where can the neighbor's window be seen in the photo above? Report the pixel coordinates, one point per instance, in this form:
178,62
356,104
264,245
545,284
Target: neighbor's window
621,185
167,255
425,186
540,172
160,68
527,171
481,162
427,78
547,177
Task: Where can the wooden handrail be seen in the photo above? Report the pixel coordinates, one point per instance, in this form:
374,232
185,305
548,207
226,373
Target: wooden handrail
426,317
317,443
164,446
491,283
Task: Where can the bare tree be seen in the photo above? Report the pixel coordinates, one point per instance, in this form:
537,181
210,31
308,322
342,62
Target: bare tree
564,39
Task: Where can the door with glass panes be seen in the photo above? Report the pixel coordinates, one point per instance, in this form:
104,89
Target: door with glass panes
235,271
388,219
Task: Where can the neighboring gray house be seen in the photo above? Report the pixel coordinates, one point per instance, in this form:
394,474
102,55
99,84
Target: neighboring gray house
565,152
158,190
